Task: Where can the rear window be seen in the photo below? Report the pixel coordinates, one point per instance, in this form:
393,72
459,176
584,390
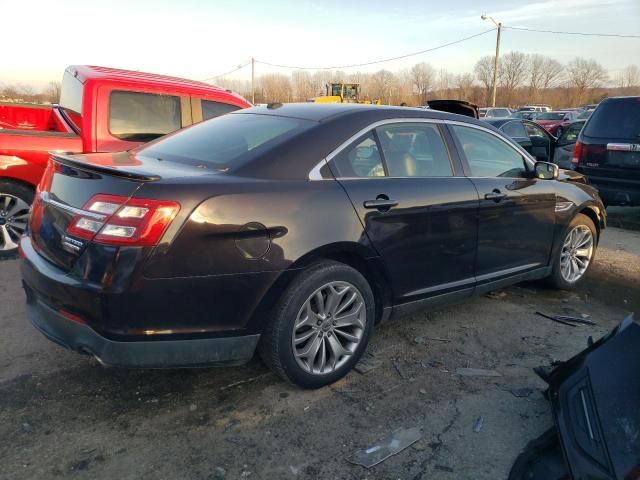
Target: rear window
141,117
226,141
615,118
71,93
211,109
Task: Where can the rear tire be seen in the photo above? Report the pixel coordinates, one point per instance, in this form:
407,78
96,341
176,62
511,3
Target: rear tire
15,201
576,253
321,325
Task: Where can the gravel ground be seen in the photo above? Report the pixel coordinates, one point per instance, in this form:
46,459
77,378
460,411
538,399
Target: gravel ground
62,415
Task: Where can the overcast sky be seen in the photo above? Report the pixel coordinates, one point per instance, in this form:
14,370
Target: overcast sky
201,38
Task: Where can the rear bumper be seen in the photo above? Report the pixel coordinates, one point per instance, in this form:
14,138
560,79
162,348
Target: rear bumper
617,191
139,354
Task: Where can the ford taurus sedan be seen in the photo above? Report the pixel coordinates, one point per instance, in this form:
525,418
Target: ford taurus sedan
292,230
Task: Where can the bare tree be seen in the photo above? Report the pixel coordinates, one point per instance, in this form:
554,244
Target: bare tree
303,85
583,75
552,71
629,77
513,71
276,88
423,76
445,83
464,83
382,84
52,92
484,73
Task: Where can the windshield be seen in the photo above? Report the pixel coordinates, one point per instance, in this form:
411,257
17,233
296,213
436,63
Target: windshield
71,93
551,116
226,141
615,118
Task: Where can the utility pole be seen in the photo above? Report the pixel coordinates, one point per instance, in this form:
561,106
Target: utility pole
496,61
253,88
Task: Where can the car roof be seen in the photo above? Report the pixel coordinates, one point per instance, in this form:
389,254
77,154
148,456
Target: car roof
324,112
94,72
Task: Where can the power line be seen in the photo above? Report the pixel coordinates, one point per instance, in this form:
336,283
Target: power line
377,61
585,34
239,67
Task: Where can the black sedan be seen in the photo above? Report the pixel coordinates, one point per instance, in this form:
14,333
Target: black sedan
293,230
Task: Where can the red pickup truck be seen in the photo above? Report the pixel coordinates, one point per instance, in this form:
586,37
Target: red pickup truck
101,110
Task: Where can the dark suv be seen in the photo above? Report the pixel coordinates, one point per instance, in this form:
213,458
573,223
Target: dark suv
608,150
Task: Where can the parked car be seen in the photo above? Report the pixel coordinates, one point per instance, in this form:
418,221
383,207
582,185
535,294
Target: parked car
608,150
535,108
495,112
584,114
294,229
529,135
101,110
556,122
563,151
527,115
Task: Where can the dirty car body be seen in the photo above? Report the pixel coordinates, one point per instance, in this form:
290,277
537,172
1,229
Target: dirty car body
177,253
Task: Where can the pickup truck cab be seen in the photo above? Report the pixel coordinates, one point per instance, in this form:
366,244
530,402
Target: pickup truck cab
101,110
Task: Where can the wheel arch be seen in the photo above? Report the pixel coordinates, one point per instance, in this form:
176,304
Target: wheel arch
355,255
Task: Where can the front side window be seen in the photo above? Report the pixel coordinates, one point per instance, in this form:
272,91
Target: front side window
570,135
487,155
141,117
414,150
211,109
360,159
534,130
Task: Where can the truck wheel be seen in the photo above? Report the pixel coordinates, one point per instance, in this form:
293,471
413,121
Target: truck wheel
320,327
576,253
15,201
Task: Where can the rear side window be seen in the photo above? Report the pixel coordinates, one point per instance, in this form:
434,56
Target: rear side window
227,141
360,159
141,117
514,130
615,118
414,150
212,109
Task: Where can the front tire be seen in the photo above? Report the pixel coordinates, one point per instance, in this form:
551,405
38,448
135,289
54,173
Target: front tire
321,325
576,253
15,201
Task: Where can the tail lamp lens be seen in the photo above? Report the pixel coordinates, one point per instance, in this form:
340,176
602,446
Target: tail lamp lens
123,221
577,153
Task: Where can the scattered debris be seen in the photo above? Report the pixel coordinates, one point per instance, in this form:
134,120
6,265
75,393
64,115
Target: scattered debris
241,382
444,468
193,407
420,340
367,363
479,423
27,427
400,370
496,294
392,444
521,392
423,391
567,320
477,372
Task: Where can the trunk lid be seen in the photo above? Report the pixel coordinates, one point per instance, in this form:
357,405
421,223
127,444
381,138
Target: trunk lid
70,187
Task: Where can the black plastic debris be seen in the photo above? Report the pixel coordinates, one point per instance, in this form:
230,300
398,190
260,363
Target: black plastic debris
595,401
567,320
521,392
392,444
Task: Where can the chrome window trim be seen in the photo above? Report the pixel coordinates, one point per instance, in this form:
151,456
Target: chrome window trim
46,199
314,174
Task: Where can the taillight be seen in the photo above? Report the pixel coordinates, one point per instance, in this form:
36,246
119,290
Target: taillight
43,186
577,153
121,221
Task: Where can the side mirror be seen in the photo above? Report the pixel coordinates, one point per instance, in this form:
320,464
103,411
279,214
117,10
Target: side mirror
546,170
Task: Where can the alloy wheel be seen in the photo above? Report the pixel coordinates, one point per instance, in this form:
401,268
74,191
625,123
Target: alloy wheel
329,327
14,214
576,254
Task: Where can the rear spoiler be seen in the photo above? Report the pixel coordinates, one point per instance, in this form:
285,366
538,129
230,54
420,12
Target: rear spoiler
460,107
77,161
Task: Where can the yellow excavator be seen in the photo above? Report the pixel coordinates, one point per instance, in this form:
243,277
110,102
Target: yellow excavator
342,93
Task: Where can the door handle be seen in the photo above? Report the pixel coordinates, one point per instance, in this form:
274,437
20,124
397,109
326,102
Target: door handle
496,195
382,204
